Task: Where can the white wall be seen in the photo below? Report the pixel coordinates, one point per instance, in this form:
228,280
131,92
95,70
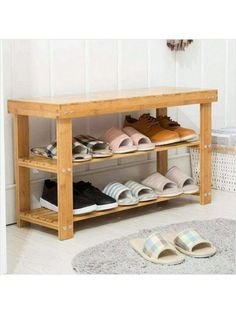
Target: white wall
55,67
3,259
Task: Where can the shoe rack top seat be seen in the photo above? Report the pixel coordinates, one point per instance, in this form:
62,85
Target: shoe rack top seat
92,104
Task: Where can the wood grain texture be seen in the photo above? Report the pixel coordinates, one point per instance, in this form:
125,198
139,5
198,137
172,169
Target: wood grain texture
64,178
205,154
49,219
162,156
50,165
22,175
110,102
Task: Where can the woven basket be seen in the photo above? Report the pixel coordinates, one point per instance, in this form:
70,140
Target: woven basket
223,167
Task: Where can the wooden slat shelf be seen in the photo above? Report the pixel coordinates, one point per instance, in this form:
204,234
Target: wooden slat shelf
49,165
64,109
92,104
47,218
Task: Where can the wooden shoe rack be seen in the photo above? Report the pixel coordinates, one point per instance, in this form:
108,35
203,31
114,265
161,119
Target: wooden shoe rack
63,110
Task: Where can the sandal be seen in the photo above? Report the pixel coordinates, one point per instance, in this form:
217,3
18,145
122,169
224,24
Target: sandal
79,151
141,192
191,243
119,142
157,250
121,193
98,148
142,142
183,181
161,185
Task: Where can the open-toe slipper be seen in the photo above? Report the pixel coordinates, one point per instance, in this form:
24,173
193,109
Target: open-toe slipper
191,243
142,142
79,151
141,192
119,142
183,181
121,193
157,250
97,148
161,185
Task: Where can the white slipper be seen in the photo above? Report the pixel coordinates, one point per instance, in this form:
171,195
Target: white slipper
157,249
183,181
161,185
141,192
191,243
121,193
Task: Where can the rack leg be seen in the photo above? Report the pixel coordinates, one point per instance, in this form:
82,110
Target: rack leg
162,157
64,179
205,154
22,175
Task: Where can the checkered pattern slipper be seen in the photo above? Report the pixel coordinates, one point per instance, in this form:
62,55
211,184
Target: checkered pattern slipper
157,249
161,185
97,148
141,192
183,181
121,193
191,243
79,151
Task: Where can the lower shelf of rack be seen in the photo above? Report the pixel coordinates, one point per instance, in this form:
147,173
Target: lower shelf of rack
47,218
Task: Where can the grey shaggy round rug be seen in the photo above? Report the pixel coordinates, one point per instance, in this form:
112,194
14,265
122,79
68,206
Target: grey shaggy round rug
117,257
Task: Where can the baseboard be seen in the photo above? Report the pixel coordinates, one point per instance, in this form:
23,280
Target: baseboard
135,170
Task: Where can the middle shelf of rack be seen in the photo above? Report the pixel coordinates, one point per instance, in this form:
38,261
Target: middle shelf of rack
50,165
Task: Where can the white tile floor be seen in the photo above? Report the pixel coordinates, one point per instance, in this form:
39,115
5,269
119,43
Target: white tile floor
37,250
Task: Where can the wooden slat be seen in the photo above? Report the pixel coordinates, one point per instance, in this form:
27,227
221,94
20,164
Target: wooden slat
110,102
22,175
162,156
64,179
48,218
39,217
49,165
40,163
205,154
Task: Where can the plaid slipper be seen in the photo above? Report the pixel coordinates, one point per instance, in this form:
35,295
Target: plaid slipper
191,243
96,147
79,151
157,249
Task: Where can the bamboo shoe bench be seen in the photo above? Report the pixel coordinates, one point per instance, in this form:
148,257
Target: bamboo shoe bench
63,110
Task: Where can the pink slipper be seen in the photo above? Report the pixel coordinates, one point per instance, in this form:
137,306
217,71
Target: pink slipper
141,141
118,141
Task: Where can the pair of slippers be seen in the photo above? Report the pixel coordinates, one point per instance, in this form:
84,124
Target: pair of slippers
84,148
168,249
174,183
130,193
127,140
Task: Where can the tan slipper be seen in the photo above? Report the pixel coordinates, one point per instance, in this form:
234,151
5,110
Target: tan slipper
183,181
157,250
163,186
191,243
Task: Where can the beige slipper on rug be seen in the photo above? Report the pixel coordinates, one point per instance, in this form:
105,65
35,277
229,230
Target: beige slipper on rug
190,242
157,250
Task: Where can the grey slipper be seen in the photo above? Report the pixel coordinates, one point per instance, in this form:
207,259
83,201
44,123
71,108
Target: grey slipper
183,181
